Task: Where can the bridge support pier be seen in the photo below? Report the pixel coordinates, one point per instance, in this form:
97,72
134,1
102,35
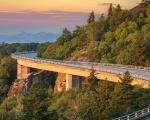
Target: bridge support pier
22,71
72,81
68,82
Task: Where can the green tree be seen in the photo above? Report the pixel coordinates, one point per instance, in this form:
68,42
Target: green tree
122,97
93,80
118,8
104,90
138,49
7,70
110,10
11,108
35,103
92,51
91,18
117,18
141,20
66,36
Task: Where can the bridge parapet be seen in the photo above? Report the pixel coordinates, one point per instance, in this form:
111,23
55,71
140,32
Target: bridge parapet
139,72
136,115
17,55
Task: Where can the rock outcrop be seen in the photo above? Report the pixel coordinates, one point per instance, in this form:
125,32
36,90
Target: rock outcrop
60,83
17,87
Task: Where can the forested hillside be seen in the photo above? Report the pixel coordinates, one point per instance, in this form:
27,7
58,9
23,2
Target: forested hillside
8,65
98,100
122,37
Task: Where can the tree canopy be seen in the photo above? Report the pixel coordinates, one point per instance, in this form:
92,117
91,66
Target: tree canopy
121,37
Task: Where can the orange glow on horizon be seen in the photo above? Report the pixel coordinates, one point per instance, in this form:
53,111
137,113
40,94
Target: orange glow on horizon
62,5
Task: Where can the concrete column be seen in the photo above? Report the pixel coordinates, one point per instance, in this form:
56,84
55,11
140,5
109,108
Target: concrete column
22,71
69,82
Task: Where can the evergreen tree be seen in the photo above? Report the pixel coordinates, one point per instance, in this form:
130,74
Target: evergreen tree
126,80
118,8
7,70
91,18
66,36
110,10
122,97
93,80
102,17
148,11
104,90
35,103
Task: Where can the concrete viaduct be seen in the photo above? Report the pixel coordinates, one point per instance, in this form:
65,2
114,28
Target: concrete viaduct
75,69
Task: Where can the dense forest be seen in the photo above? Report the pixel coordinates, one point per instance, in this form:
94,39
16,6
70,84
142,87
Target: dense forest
122,37
8,65
98,100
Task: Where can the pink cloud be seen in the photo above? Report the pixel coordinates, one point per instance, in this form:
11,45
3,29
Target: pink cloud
40,21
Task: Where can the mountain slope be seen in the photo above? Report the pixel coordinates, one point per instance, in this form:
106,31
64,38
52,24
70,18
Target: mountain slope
121,38
28,37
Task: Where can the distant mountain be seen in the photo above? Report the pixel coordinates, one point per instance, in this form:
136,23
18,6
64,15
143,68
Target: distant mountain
29,37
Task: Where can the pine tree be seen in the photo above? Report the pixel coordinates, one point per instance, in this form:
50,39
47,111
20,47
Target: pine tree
118,8
110,10
126,79
66,36
148,11
93,80
91,17
122,97
102,17
35,104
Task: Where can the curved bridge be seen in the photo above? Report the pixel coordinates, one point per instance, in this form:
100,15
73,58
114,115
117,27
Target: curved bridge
73,69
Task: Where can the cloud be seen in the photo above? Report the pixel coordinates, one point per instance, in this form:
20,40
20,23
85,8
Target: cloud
106,4
41,12
33,21
28,15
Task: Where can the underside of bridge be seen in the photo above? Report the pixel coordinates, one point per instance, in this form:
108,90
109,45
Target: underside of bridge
26,75
67,80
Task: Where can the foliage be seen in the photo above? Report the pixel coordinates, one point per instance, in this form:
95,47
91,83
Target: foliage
122,97
8,65
34,103
91,17
7,49
107,100
11,108
121,38
93,80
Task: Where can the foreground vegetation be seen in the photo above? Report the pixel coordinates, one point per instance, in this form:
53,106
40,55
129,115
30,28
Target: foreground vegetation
100,100
8,65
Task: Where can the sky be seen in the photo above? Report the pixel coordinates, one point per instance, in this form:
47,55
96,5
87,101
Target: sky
51,15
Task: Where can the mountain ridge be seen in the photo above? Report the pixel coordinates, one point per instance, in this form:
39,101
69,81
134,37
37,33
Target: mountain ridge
25,37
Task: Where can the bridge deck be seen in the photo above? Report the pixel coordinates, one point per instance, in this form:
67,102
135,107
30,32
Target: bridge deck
137,72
